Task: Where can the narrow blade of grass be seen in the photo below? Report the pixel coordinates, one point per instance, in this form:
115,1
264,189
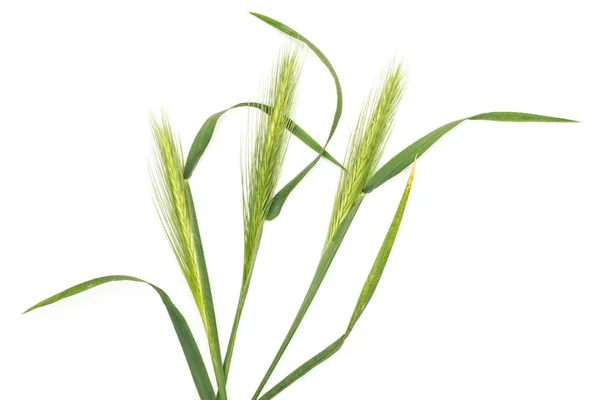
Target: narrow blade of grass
510,116
280,198
212,333
363,300
382,256
207,130
403,159
186,339
324,263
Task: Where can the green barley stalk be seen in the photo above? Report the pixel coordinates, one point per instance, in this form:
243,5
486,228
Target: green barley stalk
368,141
260,174
175,206
263,159
362,156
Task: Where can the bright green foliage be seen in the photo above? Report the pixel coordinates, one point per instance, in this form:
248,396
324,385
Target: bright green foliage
262,162
368,140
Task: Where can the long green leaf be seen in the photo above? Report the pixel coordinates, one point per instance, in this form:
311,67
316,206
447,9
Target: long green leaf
403,159
186,339
324,263
304,368
211,322
205,134
363,300
283,194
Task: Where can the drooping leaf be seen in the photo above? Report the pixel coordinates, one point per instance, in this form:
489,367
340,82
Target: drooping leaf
282,195
365,296
186,339
205,134
403,159
327,256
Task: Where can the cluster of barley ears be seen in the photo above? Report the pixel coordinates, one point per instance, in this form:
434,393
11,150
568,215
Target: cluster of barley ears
262,160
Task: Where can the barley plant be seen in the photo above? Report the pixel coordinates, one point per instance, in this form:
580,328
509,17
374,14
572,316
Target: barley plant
263,156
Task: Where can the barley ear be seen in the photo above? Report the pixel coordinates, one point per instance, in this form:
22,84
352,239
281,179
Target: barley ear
368,140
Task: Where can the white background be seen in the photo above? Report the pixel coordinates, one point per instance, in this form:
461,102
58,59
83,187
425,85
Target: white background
492,290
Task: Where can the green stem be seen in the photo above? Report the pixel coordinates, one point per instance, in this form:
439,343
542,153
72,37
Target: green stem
329,252
234,328
240,306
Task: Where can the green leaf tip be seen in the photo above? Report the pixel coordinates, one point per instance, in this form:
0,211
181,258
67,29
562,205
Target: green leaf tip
403,159
510,116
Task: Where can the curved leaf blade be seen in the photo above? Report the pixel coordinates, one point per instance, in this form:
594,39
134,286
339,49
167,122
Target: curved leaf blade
282,195
207,130
365,296
184,334
403,159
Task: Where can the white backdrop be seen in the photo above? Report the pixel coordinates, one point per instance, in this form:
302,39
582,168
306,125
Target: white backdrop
491,292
